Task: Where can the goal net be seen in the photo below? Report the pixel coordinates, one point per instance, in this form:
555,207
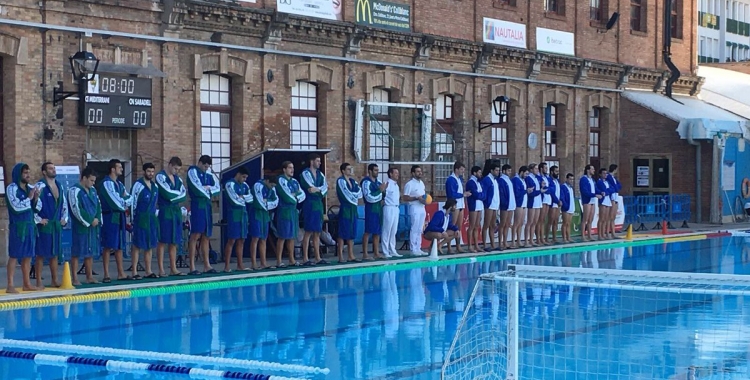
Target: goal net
553,323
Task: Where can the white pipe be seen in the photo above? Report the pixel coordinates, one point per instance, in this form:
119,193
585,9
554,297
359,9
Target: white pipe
698,175
290,53
166,356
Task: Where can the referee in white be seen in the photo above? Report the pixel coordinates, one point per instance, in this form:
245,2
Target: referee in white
390,215
415,194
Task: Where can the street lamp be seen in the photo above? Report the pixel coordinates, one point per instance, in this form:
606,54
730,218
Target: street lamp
83,65
497,108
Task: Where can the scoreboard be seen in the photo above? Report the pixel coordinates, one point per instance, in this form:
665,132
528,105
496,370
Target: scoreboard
117,101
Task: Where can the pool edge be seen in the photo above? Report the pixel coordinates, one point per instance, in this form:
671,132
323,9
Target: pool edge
61,297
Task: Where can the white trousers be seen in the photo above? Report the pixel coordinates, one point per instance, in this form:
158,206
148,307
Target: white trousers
418,215
390,227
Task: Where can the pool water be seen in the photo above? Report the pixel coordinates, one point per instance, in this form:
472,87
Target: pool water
400,324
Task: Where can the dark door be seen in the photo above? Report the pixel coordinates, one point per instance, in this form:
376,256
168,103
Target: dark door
101,170
651,176
661,173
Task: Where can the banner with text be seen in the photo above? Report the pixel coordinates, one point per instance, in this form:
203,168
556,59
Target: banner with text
555,41
325,9
383,14
504,33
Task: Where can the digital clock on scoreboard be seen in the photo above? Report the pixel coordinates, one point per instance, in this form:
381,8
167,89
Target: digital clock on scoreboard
114,101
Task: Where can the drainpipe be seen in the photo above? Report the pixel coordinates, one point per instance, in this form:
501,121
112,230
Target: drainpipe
698,176
718,157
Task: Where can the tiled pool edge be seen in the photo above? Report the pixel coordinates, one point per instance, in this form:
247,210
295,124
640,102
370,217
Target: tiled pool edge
61,297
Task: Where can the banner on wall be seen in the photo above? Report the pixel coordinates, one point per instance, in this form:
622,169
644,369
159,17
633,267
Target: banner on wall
325,9
575,222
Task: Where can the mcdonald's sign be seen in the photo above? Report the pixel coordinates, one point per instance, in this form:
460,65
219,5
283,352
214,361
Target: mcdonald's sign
383,14
363,12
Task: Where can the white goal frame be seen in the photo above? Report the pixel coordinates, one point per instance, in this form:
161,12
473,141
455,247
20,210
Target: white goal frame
651,281
426,130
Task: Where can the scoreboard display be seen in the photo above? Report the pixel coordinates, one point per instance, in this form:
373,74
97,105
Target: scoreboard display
117,101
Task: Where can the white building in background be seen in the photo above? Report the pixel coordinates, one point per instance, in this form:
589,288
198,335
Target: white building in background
723,30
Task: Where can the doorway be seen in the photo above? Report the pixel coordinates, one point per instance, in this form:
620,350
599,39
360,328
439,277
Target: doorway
652,175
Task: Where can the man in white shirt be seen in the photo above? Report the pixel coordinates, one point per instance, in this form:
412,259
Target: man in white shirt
391,197
415,195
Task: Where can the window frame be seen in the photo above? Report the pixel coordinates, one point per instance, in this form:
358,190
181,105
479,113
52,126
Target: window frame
221,161
383,115
676,20
550,132
595,129
306,114
636,16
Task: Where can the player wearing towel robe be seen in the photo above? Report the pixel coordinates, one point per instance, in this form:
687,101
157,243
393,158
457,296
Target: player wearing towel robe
454,189
568,206
491,204
23,203
172,192
237,196
535,206
589,200
554,208
265,199
145,193
50,220
86,208
372,193
541,225
522,201
115,200
287,217
507,204
441,226
348,193
314,183
202,186
616,186
605,204
475,205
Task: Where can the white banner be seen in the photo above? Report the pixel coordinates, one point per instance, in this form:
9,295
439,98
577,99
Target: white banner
555,41
504,33
325,9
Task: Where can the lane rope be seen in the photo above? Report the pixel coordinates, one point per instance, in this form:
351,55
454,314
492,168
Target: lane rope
165,356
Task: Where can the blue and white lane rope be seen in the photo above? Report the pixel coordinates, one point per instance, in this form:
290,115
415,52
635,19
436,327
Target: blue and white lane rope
144,368
162,356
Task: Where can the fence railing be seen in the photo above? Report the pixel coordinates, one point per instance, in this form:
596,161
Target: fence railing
658,209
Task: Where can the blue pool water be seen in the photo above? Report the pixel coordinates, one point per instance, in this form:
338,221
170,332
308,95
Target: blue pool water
400,324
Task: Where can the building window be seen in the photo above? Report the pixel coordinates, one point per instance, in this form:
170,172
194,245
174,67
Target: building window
550,135
636,15
304,124
216,111
511,3
676,28
380,131
598,11
499,143
555,6
443,141
595,122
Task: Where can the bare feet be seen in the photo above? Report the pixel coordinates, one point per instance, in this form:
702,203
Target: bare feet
29,288
11,290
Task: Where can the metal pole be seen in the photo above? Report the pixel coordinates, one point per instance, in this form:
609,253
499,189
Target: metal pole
512,371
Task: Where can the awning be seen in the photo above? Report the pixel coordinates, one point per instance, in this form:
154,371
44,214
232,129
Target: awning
128,69
726,89
703,119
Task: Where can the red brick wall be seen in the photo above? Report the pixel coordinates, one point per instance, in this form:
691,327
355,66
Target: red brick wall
645,132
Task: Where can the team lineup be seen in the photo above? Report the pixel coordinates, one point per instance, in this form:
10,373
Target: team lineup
524,209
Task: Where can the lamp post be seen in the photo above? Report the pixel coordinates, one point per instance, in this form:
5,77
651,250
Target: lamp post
83,65
496,107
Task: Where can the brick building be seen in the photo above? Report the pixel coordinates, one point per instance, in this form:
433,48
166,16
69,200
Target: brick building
242,77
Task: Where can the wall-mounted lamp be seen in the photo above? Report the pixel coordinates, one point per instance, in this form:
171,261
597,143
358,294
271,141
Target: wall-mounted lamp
269,99
269,75
83,65
500,108
350,82
419,89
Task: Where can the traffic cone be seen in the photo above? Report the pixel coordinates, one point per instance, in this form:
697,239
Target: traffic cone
434,251
66,310
664,227
67,282
629,234
630,251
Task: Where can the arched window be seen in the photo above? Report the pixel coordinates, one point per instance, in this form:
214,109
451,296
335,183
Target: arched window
499,144
380,131
595,120
304,112
443,140
216,112
550,135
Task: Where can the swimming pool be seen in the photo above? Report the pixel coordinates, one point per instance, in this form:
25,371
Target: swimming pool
395,324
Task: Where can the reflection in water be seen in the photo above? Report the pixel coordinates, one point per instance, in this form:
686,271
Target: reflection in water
400,324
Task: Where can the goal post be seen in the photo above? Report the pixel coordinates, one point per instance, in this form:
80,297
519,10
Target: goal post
555,323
